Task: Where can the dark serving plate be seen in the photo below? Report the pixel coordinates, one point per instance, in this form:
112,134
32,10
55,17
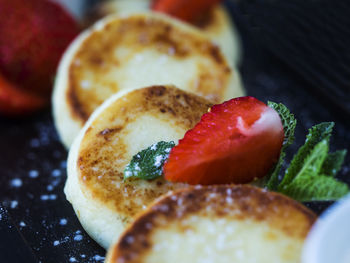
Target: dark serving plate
37,224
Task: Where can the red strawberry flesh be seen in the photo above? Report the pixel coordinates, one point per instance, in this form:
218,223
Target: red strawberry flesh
235,142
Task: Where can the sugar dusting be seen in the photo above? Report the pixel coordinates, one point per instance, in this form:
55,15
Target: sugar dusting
13,204
33,174
2,213
49,197
34,198
16,183
158,160
56,243
63,221
78,237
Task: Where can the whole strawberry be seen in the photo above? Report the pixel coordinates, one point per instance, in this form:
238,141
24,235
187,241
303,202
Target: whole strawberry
33,36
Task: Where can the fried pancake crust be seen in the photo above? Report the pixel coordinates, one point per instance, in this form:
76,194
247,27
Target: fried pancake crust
124,125
227,223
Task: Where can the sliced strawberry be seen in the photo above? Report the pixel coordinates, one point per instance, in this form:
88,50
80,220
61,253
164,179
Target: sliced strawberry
235,142
187,10
15,101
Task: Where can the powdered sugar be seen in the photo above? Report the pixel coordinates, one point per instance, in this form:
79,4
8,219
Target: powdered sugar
33,193
46,197
63,221
16,183
33,173
14,204
98,258
158,160
78,238
154,147
56,173
56,243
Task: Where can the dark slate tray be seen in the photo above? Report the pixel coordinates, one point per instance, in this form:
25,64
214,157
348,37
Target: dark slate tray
33,164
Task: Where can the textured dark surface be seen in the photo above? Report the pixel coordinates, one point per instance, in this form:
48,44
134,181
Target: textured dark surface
11,237
33,171
312,37
33,162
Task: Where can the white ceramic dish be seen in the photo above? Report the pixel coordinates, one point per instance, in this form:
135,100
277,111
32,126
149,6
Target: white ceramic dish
329,239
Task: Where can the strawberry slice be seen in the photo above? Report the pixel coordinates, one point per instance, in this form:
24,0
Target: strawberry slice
236,142
187,10
15,101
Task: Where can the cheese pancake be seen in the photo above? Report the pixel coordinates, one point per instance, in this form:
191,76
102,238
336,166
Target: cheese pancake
124,125
216,24
122,53
221,224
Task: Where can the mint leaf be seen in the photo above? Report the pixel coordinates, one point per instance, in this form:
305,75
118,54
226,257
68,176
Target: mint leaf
311,165
310,174
148,164
308,181
316,188
289,123
316,134
333,163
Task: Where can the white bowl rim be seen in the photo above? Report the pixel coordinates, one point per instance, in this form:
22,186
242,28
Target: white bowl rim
323,230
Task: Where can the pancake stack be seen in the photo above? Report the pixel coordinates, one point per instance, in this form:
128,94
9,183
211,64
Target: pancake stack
136,78
129,52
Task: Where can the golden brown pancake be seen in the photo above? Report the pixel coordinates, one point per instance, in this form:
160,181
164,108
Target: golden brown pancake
232,223
123,53
216,24
124,125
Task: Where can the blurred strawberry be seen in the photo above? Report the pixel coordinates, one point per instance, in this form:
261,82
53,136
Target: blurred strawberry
18,102
33,36
187,10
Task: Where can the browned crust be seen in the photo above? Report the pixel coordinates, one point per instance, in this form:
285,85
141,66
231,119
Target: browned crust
281,212
97,54
100,161
76,108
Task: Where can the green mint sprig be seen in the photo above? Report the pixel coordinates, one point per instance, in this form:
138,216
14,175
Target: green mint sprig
148,164
310,175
